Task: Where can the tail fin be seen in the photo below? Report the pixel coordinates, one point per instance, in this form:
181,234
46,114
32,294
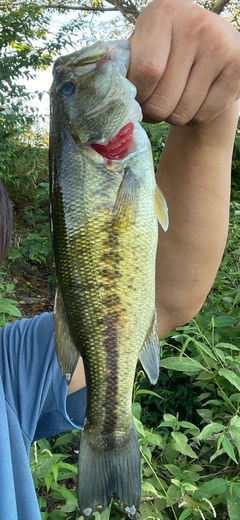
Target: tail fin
106,474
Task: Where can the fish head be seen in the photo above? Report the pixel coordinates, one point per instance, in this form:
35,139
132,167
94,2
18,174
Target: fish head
93,97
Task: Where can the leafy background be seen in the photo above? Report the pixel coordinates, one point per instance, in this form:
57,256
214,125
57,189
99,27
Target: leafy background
189,423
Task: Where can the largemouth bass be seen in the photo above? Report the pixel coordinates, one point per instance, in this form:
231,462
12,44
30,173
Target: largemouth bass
104,210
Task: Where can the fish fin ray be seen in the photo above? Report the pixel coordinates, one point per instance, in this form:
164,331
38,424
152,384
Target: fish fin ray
126,206
106,474
149,354
67,353
161,208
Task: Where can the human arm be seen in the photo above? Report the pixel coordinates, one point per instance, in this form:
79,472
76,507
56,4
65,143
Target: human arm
194,174
185,63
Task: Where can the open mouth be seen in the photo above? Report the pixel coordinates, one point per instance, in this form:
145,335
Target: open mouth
118,147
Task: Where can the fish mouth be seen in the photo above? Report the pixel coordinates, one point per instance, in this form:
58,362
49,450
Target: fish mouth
119,146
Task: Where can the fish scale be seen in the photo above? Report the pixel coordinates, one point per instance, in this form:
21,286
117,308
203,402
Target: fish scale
104,228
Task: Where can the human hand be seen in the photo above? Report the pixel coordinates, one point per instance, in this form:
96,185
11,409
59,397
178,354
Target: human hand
185,62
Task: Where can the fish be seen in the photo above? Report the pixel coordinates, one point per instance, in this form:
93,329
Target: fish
104,206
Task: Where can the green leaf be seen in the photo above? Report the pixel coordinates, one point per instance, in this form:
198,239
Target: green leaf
234,430
70,506
48,481
8,307
55,471
181,444
233,503
147,452
148,392
136,410
189,452
213,487
231,377
229,449
189,488
237,488
149,488
154,439
139,427
169,420
174,470
188,425
185,514
216,402
227,346
168,417
180,438
66,465
236,299
64,439
105,515
182,365
206,349
176,482
220,354
224,321
210,429
204,376
61,492
173,493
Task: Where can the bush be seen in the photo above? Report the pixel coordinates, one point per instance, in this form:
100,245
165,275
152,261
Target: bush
189,424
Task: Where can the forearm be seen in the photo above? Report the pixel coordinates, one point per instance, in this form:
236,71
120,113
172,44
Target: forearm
194,175
78,379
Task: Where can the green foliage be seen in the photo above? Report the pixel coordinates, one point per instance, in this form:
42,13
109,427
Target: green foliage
189,424
8,306
157,135
25,177
26,46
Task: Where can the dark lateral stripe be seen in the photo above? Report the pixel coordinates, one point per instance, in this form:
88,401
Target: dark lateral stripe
111,321
110,341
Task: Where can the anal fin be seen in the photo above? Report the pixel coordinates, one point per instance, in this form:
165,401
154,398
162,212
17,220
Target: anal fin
161,208
149,355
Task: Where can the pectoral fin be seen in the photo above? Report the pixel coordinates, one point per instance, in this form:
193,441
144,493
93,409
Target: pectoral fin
161,208
126,206
67,353
149,355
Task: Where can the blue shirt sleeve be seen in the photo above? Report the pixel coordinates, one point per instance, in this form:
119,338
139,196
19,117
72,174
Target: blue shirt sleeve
33,384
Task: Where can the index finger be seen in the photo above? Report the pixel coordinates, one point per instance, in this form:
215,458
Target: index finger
150,47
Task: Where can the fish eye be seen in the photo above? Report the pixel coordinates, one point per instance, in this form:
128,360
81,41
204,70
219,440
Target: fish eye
66,90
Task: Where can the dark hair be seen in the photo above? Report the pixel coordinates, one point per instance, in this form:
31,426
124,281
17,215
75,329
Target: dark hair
5,223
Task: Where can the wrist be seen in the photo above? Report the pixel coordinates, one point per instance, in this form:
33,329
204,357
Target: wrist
219,132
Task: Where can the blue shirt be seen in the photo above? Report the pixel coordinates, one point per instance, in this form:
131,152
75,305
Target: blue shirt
33,404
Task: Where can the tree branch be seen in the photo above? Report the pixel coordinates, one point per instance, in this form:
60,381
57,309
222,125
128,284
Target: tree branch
219,6
127,8
68,7
78,8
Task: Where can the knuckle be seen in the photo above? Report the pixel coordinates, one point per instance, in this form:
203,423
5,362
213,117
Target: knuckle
157,107
234,66
181,116
149,70
202,117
